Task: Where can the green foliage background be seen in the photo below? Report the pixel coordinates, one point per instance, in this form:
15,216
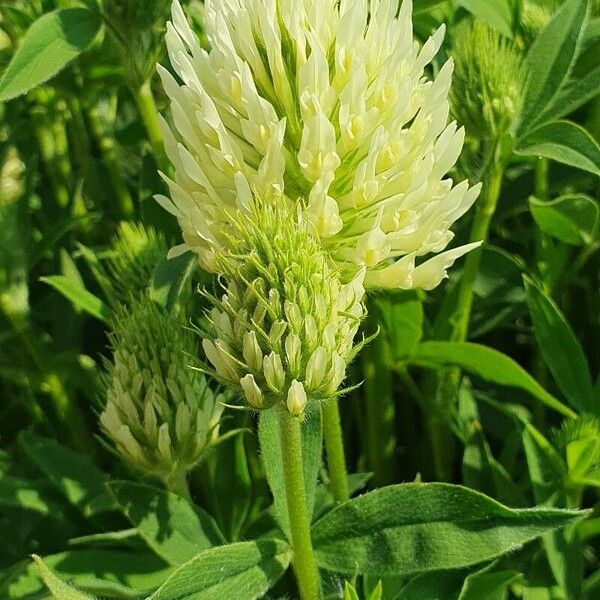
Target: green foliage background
506,403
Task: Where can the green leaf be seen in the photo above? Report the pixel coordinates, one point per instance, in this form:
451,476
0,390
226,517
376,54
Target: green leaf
59,589
560,348
564,142
550,61
106,573
168,523
270,445
232,487
20,493
54,40
488,585
72,473
324,499
244,571
489,364
443,585
573,219
497,13
415,527
402,316
170,278
546,467
79,296
574,94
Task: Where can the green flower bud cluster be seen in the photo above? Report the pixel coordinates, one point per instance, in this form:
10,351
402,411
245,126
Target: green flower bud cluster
160,415
488,81
284,329
133,259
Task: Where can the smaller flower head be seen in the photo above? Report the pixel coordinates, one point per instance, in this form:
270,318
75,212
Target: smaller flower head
136,252
284,329
159,415
488,81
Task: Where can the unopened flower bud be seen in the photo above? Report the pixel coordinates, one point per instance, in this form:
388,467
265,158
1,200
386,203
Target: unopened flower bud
251,391
296,398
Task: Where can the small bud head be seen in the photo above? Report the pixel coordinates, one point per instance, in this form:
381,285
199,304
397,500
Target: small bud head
159,414
296,399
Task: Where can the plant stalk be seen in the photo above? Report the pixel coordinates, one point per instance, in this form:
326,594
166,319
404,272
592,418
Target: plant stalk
144,100
479,231
334,446
304,564
437,426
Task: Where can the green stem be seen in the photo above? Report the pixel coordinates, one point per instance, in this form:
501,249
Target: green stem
436,412
305,566
334,446
541,179
144,100
479,231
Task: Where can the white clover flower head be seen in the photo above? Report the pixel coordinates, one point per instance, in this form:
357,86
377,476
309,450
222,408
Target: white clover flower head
159,414
284,329
326,102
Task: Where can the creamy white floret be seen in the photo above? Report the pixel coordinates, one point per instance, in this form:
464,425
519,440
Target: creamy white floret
327,103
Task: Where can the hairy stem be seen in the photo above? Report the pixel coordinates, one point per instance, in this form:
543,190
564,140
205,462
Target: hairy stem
334,446
303,561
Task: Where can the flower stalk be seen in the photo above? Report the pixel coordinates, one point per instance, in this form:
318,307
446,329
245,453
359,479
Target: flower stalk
146,105
484,212
303,561
334,446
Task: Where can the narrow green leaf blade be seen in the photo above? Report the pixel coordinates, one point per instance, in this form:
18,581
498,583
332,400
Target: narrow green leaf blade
497,13
270,444
550,60
168,523
105,573
414,528
560,349
573,219
244,571
51,42
564,142
574,93
78,296
488,585
59,589
489,364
